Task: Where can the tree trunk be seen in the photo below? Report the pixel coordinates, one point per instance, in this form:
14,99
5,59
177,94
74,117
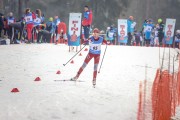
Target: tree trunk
20,9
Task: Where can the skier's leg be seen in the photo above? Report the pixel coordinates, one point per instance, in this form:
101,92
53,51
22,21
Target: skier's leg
96,63
86,61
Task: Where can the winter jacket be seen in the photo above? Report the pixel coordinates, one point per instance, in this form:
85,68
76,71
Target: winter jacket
87,20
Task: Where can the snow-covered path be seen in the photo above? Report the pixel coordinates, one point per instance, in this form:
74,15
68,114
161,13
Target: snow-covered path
114,98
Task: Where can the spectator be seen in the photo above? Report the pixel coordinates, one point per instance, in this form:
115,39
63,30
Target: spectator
138,38
50,26
156,38
177,39
44,36
131,27
61,32
87,21
1,23
47,33
160,30
10,20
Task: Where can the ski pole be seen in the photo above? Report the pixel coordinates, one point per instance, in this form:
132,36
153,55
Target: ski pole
102,59
73,56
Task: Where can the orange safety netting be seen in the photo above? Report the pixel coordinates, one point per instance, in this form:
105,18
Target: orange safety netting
165,96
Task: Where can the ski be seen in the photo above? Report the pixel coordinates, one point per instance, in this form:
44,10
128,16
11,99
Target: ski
65,80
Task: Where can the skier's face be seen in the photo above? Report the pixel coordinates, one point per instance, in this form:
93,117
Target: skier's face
96,35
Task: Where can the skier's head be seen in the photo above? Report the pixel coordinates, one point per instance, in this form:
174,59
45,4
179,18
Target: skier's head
28,10
50,19
96,30
96,33
38,12
150,21
159,20
10,14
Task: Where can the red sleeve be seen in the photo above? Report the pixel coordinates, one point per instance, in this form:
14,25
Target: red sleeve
90,17
65,29
33,16
105,42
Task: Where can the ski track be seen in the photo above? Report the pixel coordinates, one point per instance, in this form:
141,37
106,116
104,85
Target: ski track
115,96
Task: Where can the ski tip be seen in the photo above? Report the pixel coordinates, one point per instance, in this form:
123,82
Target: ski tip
63,64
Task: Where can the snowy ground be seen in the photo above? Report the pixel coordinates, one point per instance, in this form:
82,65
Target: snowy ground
114,98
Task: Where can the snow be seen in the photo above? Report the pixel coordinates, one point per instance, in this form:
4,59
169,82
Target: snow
115,97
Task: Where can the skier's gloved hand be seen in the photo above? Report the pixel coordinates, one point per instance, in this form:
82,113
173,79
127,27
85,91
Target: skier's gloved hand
86,42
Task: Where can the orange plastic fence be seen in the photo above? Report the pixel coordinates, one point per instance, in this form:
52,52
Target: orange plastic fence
165,96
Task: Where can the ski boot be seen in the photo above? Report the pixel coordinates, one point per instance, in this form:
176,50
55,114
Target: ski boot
94,82
74,78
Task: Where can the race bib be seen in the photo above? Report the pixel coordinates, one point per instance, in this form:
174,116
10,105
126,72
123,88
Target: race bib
95,47
37,20
110,34
10,21
28,18
148,28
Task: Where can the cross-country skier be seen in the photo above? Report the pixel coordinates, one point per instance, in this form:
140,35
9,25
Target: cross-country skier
95,43
29,20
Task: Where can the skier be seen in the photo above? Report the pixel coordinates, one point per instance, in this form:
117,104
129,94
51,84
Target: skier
56,22
110,34
37,23
95,43
29,20
148,32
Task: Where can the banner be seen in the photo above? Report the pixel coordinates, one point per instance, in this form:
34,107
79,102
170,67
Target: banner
169,31
122,31
74,29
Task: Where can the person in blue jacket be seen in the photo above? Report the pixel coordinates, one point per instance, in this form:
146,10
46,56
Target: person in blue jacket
148,32
131,27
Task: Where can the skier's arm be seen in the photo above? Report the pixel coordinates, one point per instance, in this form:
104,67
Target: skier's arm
104,42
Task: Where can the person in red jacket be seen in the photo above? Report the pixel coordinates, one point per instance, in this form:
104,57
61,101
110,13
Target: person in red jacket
29,20
95,43
87,21
61,32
